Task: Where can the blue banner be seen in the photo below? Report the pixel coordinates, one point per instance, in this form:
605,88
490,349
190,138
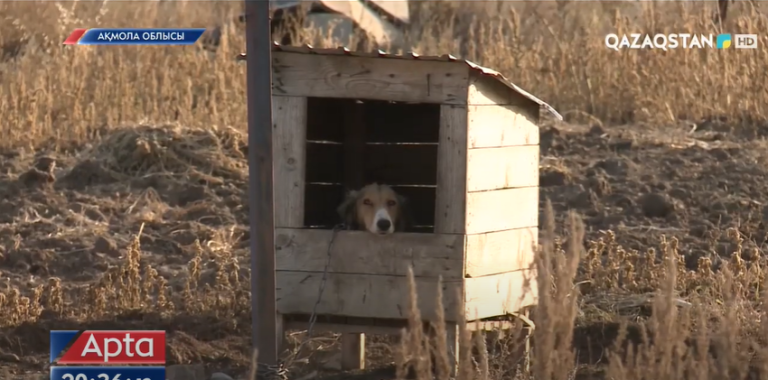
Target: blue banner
103,36
107,373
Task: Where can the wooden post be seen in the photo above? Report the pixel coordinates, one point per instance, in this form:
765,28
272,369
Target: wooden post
352,351
265,326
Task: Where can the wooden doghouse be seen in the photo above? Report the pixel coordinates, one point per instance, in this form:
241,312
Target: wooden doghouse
459,141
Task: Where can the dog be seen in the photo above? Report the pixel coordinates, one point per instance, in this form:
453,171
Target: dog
374,208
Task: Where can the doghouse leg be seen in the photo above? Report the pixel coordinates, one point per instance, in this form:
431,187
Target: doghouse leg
280,331
527,354
352,351
525,351
452,339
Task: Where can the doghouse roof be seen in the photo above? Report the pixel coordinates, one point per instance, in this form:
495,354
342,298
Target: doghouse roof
495,75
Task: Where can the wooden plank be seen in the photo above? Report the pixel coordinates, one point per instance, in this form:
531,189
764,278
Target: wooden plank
500,294
322,200
364,295
289,131
392,164
431,255
501,252
347,328
372,326
502,168
332,76
352,351
499,210
451,170
498,126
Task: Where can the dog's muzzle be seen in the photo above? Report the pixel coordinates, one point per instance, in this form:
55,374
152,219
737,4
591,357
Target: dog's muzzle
382,223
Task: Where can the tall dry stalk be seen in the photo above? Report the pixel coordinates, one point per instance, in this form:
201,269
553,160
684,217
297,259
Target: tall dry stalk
558,299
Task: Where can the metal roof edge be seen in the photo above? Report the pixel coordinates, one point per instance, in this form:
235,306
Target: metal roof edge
501,78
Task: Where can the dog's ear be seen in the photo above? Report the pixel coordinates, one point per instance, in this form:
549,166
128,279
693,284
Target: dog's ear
404,221
348,209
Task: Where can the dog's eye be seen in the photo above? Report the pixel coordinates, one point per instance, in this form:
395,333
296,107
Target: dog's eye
391,203
367,202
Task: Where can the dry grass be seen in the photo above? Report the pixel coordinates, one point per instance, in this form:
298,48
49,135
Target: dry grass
65,93
56,97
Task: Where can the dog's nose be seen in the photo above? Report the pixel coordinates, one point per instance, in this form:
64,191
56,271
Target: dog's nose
383,224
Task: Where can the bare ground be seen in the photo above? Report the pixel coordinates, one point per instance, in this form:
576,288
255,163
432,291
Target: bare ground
74,218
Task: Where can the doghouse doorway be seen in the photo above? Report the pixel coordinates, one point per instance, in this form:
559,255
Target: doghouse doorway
351,143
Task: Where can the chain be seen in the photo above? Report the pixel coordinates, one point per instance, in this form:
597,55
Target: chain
313,316
272,373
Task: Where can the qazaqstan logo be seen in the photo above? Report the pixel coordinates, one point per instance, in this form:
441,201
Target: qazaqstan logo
660,41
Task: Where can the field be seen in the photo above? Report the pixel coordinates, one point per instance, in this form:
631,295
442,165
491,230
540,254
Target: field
124,174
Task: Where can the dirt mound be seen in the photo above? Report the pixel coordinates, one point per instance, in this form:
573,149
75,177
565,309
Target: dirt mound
206,156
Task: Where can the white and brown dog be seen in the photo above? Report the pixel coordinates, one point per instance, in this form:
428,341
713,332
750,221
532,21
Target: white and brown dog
375,208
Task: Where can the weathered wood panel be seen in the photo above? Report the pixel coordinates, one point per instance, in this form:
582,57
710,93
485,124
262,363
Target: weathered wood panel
502,168
499,210
365,296
289,135
431,255
498,126
501,252
451,170
330,76
500,294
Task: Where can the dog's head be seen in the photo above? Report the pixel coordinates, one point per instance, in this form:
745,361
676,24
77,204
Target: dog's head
375,208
